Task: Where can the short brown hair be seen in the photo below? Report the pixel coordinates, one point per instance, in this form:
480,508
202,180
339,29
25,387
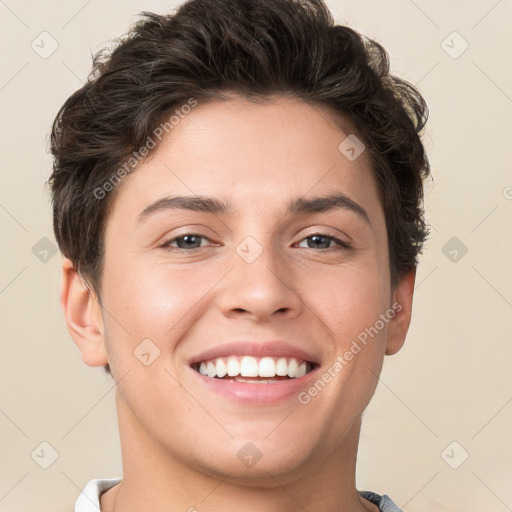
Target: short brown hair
254,48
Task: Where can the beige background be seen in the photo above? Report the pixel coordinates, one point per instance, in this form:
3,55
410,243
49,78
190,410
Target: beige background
450,383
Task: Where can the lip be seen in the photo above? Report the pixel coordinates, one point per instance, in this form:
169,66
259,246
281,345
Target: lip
258,394
256,349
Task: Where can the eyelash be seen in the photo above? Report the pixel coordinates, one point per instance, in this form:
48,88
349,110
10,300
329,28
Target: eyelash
342,246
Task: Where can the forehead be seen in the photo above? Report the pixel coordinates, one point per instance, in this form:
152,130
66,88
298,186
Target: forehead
253,156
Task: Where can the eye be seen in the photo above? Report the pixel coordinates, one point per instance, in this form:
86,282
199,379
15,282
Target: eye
321,239
189,241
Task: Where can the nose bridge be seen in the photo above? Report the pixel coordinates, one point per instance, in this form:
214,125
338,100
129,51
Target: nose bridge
257,261
256,237
258,282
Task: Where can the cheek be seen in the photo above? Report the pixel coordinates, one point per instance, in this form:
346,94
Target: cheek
350,300
351,310
149,309
152,301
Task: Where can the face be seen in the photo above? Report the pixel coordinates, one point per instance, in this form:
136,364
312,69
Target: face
180,282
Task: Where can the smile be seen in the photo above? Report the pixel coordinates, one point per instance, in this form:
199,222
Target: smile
261,369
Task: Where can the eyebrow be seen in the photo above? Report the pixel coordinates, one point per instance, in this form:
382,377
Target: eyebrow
211,205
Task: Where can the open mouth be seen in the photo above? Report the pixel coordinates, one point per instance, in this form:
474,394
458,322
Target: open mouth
257,370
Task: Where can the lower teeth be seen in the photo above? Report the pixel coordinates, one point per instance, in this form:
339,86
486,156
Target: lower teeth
253,380
256,381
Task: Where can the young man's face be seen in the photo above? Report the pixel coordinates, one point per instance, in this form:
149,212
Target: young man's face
257,274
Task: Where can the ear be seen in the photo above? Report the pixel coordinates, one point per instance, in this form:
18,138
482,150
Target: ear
402,305
83,315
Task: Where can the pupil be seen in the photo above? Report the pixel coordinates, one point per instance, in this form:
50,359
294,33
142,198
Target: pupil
316,237
184,239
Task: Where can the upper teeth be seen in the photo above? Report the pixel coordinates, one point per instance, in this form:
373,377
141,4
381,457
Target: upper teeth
249,366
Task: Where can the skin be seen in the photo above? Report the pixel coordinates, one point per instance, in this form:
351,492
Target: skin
180,440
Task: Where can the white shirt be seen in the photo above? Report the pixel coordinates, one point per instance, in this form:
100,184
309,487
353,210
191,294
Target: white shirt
89,500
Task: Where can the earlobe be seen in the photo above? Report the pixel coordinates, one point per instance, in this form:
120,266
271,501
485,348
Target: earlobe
402,305
83,316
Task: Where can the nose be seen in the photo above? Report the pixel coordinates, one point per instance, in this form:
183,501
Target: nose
260,288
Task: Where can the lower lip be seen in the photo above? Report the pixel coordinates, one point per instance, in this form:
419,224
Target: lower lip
258,393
